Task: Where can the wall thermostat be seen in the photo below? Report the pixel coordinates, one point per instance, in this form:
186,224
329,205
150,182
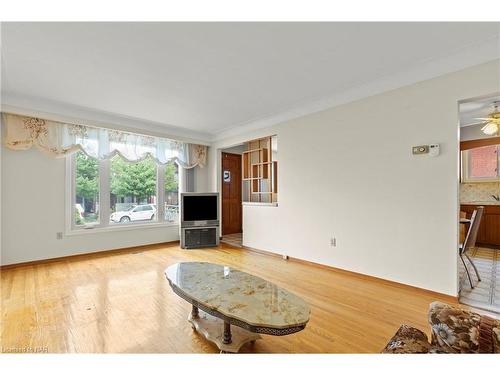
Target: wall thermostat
434,149
431,150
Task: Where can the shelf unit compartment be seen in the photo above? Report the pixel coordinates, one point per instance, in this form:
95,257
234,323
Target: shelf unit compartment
246,166
275,181
259,172
255,186
255,171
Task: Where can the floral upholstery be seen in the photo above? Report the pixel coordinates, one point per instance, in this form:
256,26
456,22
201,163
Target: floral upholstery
453,330
408,340
496,338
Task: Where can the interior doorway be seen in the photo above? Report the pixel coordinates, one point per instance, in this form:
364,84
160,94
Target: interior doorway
231,197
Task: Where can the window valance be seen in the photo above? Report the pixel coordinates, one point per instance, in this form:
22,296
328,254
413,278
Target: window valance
61,139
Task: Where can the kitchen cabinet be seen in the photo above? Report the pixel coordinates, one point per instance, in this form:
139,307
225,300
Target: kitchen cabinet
489,229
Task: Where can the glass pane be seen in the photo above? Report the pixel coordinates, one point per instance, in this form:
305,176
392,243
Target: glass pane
172,192
87,190
483,161
132,190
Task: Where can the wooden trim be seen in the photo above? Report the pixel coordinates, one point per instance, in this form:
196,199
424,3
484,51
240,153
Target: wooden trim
441,296
101,253
467,145
488,245
261,252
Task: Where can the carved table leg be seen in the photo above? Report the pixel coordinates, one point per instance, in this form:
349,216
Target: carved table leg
194,312
227,333
228,339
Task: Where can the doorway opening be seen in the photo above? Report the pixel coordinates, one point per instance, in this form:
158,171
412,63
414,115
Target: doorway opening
479,200
231,195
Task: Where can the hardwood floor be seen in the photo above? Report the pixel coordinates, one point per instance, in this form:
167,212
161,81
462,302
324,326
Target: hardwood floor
121,303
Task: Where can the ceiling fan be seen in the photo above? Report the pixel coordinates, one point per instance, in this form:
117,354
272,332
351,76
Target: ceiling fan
492,122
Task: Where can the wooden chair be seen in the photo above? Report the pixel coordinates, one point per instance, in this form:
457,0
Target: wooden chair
470,241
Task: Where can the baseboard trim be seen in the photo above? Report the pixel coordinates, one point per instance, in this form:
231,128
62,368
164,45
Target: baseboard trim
441,296
261,252
87,255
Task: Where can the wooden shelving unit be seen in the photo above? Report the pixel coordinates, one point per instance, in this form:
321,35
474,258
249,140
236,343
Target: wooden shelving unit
260,178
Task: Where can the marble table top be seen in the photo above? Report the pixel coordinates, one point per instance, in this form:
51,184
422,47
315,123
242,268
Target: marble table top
239,295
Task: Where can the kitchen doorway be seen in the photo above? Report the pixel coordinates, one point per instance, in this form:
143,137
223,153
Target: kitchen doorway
479,199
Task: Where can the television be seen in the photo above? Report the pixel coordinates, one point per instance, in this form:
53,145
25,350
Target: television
199,209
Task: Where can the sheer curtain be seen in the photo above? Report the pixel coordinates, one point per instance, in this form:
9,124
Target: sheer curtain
62,139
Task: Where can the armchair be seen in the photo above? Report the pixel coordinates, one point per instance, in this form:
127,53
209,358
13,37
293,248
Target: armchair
454,330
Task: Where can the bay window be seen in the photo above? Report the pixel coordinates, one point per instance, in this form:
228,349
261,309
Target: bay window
141,192
114,178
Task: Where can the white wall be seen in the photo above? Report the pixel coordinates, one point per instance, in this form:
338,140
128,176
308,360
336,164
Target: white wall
33,210
201,180
348,172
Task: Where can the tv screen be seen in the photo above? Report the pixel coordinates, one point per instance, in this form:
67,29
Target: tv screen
199,207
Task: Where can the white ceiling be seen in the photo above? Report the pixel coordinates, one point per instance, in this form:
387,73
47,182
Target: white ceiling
211,77
481,108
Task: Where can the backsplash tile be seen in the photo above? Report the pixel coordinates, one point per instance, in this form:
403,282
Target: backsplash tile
479,191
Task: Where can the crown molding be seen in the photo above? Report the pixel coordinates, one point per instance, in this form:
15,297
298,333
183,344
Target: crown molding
466,57
58,111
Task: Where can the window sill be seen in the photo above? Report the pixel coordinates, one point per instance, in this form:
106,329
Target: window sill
478,180
117,228
275,204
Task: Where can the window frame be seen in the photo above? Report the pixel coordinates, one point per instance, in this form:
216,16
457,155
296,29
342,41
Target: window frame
104,200
466,166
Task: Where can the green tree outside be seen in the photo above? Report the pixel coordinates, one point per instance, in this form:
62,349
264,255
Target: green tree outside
171,179
137,180
87,177
87,188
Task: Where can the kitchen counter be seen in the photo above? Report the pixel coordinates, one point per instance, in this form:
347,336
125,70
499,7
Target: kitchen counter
482,203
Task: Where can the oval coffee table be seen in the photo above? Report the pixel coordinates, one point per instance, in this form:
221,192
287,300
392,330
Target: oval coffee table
230,297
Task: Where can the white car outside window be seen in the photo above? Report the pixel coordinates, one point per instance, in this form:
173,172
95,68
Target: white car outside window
137,213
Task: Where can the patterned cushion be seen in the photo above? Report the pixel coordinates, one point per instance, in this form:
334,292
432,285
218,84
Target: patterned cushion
407,340
496,337
455,330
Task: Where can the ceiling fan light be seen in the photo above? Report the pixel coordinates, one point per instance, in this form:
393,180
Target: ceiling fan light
491,128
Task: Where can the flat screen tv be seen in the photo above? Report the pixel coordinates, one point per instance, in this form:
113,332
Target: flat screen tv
199,208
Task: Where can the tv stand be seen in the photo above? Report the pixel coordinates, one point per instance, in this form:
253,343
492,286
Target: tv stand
199,220
196,237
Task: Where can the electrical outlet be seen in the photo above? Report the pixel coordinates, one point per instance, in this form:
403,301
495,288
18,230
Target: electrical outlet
59,235
333,242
